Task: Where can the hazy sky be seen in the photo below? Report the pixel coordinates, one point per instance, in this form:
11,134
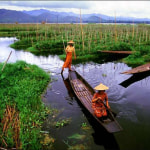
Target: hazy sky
139,9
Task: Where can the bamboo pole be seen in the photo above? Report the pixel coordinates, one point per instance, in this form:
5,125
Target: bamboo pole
64,44
133,30
139,40
115,29
81,29
37,31
146,35
45,31
100,30
6,62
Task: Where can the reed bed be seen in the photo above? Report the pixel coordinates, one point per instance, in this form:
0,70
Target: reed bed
11,124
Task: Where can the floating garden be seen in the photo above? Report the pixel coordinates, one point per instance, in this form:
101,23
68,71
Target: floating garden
89,39
21,110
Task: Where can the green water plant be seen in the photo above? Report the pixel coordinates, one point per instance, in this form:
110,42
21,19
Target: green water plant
84,126
62,122
139,57
22,44
120,46
20,99
77,136
78,147
53,38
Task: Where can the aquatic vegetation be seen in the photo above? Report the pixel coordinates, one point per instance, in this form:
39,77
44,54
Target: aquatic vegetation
120,46
53,112
47,141
22,44
62,123
78,147
77,136
139,57
53,38
84,126
104,75
21,109
53,47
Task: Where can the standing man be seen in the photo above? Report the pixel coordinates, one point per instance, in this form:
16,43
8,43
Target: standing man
68,61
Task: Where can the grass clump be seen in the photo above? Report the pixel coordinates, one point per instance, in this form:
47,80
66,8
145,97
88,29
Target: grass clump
20,102
139,57
120,46
21,44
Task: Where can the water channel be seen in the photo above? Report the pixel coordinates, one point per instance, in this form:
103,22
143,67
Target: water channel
128,97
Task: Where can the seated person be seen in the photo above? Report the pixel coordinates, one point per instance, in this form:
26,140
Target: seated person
98,99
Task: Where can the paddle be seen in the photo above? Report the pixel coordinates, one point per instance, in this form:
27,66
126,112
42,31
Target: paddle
113,113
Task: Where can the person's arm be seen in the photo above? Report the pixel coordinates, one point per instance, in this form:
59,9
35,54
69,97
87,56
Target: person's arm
94,99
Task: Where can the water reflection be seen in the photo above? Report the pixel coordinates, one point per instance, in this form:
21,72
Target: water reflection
134,78
69,89
101,137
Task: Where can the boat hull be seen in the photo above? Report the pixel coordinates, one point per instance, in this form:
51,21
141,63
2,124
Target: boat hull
84,92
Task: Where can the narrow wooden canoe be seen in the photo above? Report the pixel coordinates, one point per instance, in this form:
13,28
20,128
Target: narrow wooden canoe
84,93
139,69
117,52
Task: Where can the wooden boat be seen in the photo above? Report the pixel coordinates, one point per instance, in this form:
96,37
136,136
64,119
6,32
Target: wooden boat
117,52
139,69
84,93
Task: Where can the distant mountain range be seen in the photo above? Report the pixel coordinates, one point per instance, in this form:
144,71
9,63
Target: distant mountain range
43,15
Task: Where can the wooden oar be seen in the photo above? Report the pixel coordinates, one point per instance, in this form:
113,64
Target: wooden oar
113,113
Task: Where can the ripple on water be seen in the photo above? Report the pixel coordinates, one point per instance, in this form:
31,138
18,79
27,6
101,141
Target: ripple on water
129,114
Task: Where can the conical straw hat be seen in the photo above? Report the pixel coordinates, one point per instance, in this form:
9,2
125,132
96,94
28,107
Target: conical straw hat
71,42
101,87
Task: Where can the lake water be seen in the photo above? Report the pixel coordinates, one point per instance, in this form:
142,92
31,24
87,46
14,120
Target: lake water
128,97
